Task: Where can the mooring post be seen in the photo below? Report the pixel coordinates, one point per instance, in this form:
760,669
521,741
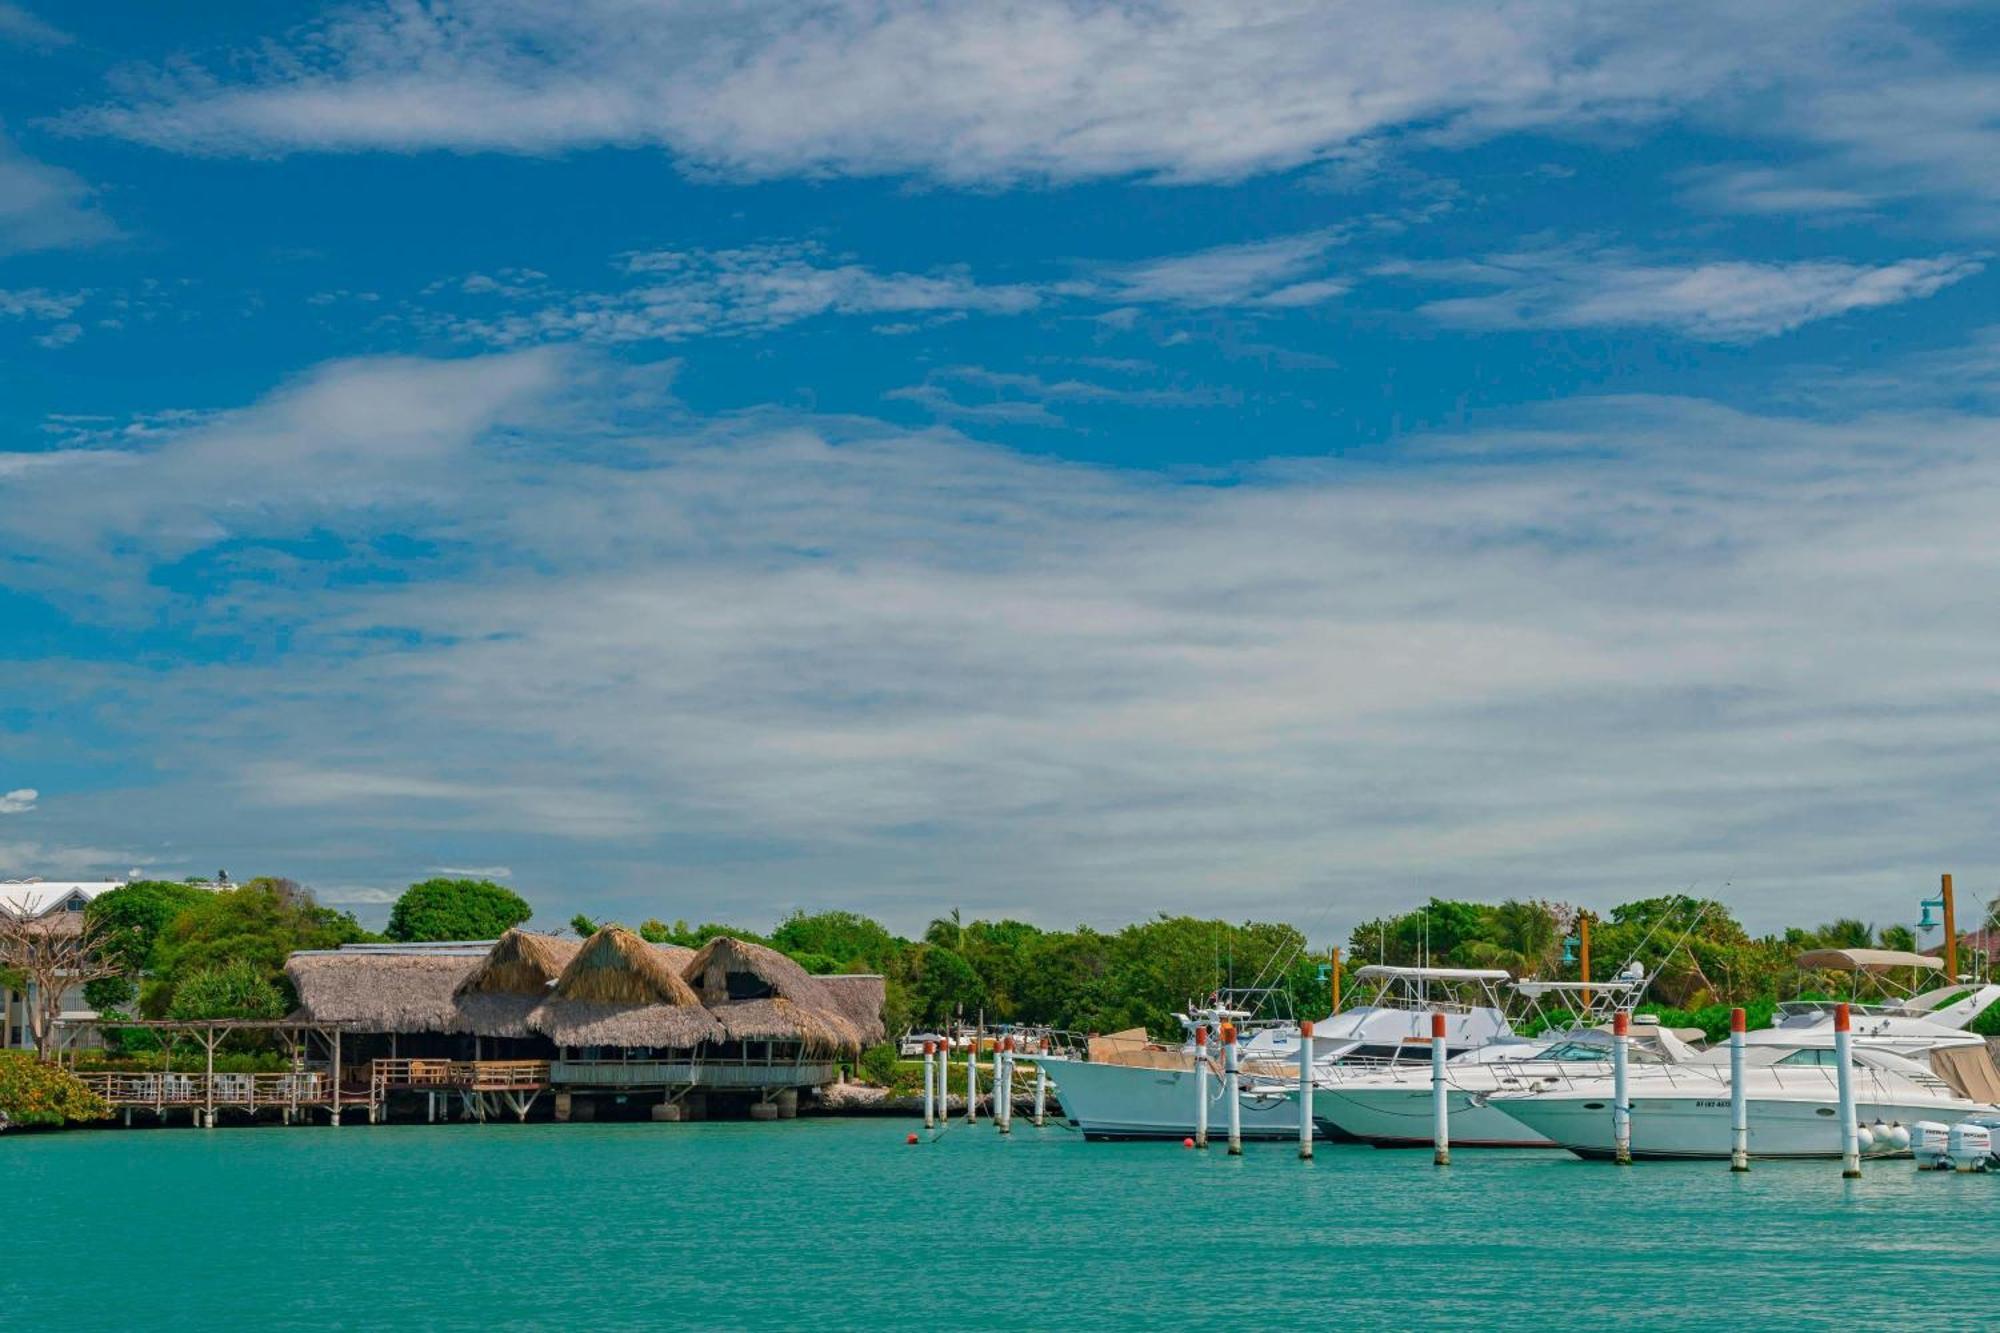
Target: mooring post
1440,1103
1739,1096
1201,1085
1305,1091
930,1088
1042,1087
1621,1094
972,1081
1232,1088
1843,1070
1003,1084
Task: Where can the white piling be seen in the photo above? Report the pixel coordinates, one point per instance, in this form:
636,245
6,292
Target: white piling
1003,1084
1041,1089
1843,1069
972,1081
1232,1088
1305,1091
1621,1093
1201,1086
1739,1095
930,1085
1440,1097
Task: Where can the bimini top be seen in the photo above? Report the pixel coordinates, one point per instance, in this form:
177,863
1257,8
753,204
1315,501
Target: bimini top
1388,973
1866,960
1536,988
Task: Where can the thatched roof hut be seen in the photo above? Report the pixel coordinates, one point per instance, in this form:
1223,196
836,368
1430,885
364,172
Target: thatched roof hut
758,994
859,997
381,992
621,991
514,978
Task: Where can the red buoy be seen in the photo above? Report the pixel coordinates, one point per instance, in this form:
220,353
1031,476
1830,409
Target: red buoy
1187,1143
911,1139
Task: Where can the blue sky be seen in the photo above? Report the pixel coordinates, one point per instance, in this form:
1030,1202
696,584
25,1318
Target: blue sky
1056,459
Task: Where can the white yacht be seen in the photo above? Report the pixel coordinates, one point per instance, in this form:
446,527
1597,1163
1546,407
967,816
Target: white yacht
1133,1088
1913,1025
1683,1110
1392,1108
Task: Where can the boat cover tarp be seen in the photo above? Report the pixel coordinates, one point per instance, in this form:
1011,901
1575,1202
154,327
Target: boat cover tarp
1969,1070
1134,1047
1865,960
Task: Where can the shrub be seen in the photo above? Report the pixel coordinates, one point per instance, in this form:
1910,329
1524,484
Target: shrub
878,1065
236,989
33,1092
456,909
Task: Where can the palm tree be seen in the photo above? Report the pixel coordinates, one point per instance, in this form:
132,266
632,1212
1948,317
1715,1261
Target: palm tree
947,932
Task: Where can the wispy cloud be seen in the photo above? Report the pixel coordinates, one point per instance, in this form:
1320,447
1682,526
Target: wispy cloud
475,872
18,801
1716,301
1057,89
673,295
975,393
1283,271
18,25
44,207
813,660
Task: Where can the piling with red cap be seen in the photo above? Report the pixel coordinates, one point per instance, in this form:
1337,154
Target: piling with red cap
1440,1098
1621,1095
1305,1091
1843,1072
1201,1085
1232,1089
930,1084
1739,1095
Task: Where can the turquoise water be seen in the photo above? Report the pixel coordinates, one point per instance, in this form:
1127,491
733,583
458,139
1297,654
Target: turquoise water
839,1224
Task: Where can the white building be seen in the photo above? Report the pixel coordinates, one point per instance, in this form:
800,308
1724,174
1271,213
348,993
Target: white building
57,904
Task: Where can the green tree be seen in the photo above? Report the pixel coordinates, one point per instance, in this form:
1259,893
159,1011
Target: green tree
260,923
456,909
852,941
132,918
236,989
947,988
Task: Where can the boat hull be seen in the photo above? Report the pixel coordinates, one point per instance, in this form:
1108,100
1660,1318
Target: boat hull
1690,1128
1399,1116
1109,1101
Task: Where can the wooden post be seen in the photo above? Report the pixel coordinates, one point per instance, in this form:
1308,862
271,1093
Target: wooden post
1950,933
208,1040
1583,955
1336,981
335,1083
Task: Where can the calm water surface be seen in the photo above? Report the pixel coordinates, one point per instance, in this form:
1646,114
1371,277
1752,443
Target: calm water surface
839,1224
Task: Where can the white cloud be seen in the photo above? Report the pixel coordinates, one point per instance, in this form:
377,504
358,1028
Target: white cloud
18,25
475,872
44,207
1719,301
674,295
1281,271
1614,648
18,801
1060,89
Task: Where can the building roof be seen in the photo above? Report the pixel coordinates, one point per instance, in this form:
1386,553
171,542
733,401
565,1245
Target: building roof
38,897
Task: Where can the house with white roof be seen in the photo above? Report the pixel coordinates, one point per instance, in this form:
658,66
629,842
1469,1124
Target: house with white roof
56,905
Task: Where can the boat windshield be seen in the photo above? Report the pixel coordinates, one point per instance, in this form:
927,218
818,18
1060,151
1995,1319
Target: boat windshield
1575,1050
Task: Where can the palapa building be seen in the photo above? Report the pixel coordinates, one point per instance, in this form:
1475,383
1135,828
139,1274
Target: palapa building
612,1025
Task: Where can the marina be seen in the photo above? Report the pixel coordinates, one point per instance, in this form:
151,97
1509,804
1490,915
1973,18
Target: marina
437,1227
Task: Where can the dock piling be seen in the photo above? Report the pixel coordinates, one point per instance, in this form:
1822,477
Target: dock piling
1305,1091
1739,1097
1003,1084
1042,1088
1232,1088
1440,1099
1843,1070
972,1081
1201,1085
1621,1092
931,1087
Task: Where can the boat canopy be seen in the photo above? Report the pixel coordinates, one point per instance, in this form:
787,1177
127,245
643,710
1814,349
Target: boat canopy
1539,988
1384,972
1866,960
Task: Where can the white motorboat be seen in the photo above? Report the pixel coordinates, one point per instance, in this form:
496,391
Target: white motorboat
1912,1025
1683,1110
1131,1088
1393,1108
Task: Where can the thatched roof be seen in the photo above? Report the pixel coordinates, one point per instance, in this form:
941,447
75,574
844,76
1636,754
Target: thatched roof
796,1008
860,998
381,992
520,963
621,991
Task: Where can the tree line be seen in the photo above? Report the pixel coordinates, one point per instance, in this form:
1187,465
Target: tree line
190,951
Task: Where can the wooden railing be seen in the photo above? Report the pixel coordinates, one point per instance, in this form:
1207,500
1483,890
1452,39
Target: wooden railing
684,1073
470,1075
247,1091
